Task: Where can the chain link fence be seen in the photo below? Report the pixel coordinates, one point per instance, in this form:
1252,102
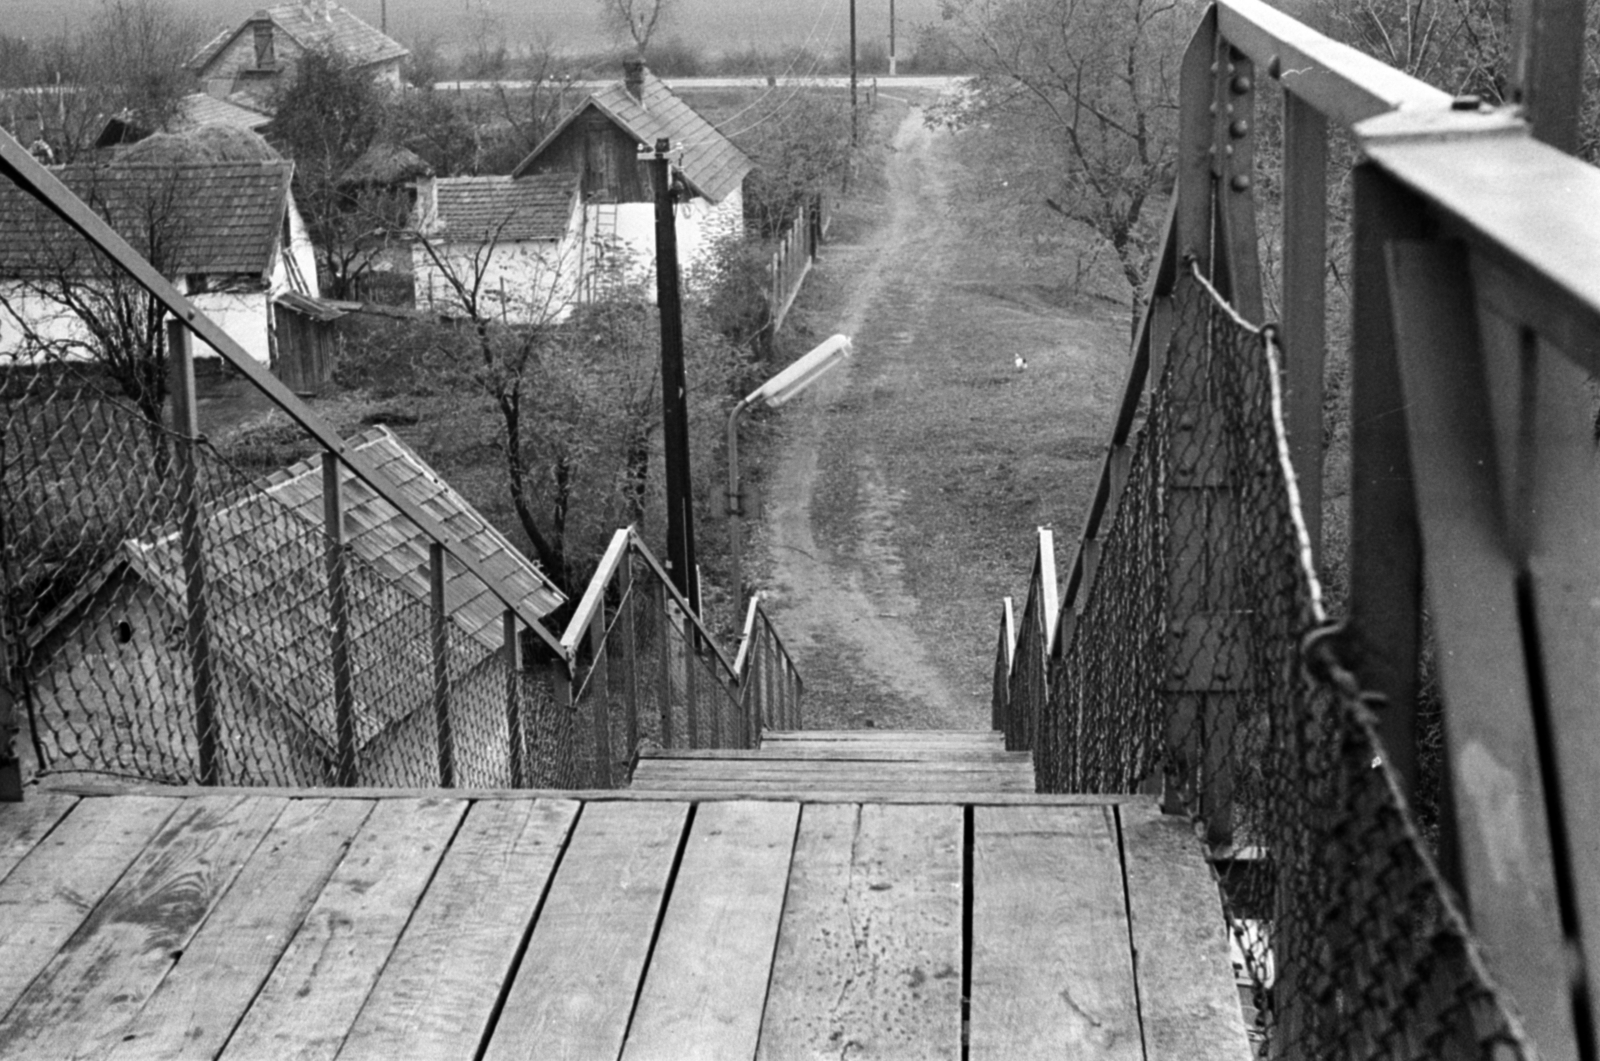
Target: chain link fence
1200,662
175,618
651,676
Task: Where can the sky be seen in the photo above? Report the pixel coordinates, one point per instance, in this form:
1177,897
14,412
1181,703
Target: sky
572,24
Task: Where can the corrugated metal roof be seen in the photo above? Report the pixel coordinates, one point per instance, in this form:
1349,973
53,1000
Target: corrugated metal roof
341,31
473,209
221,218
710,162
380,535
267,580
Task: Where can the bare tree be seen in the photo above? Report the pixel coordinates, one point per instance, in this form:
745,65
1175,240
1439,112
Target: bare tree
635,20
71,305
570,393
127,59
1086,91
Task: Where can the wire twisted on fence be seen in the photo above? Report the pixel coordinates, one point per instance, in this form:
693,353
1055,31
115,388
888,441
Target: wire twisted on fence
1202,661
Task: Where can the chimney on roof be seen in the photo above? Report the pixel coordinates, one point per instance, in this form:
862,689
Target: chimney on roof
633,77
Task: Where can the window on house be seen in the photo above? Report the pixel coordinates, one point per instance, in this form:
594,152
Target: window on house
264,52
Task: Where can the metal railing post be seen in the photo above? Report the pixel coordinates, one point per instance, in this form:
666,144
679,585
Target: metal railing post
1305,263
664,662
516,747
339,621
441,666
197,632
599,693
630,656
10,728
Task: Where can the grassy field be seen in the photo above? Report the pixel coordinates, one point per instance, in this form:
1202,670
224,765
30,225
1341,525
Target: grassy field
570,25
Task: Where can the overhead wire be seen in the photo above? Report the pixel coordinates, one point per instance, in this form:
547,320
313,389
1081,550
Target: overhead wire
799,85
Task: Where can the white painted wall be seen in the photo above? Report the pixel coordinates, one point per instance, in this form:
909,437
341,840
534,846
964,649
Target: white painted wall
700,223
527,282
245,316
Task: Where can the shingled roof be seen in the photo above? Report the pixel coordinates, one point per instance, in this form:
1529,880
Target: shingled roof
224,218
474,209
710,162
340,32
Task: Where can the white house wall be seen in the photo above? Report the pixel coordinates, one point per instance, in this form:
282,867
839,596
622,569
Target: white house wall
632,233
526,282
244,316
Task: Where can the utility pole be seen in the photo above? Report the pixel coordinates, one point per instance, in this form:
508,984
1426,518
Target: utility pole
674,406
855,121
892,66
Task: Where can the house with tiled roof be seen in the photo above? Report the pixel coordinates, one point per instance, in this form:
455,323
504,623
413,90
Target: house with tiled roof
251,60
226,233
600,142
515,245
195,110
264,555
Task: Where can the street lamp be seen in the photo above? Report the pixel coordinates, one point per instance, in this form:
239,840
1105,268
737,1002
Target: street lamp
777,390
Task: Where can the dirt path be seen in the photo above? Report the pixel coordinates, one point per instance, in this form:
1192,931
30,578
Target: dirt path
901,499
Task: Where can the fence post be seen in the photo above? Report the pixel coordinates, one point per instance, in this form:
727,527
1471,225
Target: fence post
599,690
630,656
1214,215
516,747
441,666
1385,546
339,620
197,628
1305,252
10,728
690,686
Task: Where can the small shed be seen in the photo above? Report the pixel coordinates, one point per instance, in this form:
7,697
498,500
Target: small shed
109,665
304,341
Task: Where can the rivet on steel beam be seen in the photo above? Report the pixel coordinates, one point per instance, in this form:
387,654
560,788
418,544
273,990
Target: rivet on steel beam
1216,67
1212,107
1240,183
1242,84
1239,129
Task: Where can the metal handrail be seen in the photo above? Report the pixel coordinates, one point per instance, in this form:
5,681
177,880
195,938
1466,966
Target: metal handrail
624,541
1335,80
32,177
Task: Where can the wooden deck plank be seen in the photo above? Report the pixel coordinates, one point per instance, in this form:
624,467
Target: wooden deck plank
1190,1006
45,899
1051,972
439,991
869,952
736,768
912,736
628,795
707,982
23,825
576,986
310,1001
196,1008
796,751
867,786
79,1005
